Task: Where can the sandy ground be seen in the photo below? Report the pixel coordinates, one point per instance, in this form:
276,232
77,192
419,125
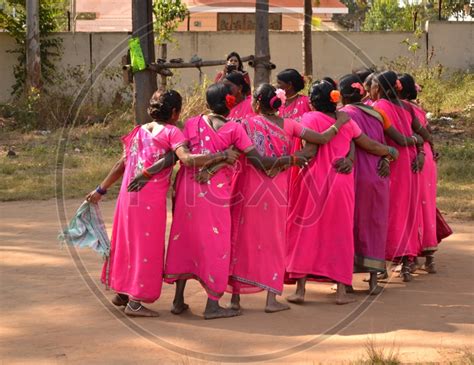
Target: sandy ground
53,312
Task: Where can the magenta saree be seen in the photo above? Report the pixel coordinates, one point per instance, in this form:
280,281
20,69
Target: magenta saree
259,212
138,234
199,243
321,211
404,217
371,198
427,185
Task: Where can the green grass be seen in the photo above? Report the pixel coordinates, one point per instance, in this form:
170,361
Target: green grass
377,355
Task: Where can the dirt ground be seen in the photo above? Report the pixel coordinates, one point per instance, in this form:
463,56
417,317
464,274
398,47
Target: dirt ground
54,310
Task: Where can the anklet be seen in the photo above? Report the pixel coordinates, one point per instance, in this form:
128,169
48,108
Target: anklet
134,310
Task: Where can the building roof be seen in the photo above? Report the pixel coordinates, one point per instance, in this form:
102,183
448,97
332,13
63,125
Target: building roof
275,6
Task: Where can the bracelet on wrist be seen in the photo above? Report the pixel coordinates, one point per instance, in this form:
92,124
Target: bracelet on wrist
333,127
210,172
100,190
147,174
422,152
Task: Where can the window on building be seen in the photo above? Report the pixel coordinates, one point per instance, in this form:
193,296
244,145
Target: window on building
245,21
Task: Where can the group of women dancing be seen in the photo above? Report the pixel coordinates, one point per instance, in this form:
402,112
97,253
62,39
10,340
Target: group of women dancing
274,187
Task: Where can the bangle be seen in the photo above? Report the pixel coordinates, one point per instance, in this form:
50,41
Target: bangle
334,128
415,140
210,172
100,190
386,159
293,160
422,153
147,174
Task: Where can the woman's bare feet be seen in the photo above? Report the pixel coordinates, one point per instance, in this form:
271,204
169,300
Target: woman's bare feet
298,297
214,311
374,288
429,265
120,300
136,309
179,307
234,302
341,295
273,305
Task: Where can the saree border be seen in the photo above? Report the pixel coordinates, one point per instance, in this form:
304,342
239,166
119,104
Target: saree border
369,264
187,276
256,284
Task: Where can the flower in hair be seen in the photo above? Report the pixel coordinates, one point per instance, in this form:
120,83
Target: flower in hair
229,101
335,96
358,85
281,94
398,85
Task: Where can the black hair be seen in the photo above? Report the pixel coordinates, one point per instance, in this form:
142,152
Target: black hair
240,67
347,91
387,81
266,95
409,91
369,79
331,81
237,78
290,75
216,98
162,104
320,96
363,73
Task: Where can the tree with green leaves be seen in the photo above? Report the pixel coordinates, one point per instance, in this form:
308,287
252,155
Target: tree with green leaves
13,21
168,15
387,15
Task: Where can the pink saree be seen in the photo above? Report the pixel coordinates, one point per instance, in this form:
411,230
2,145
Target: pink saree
404,219
295,110
138,234
199,243
371,198
259,212
241,110
321,211
427,181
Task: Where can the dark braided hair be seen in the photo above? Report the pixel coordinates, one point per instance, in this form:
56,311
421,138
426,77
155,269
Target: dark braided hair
293,77
363,73
162,104
353,94
320,96
387,81
409,91
237,78
216,98
265,94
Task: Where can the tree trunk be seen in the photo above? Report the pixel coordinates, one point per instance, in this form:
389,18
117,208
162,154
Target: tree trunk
307,39
33,55
262,43
144,82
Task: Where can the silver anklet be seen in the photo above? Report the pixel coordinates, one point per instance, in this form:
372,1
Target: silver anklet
134,310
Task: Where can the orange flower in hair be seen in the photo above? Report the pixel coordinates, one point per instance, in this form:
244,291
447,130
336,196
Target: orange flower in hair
229,101
335,96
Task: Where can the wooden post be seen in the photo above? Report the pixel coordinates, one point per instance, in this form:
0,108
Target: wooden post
33,55
144,82
440,7
307,39
163,56
262,43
